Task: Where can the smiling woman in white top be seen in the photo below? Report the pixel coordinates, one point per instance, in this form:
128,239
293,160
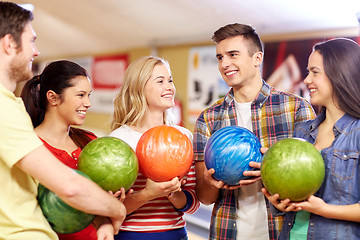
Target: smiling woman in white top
155,209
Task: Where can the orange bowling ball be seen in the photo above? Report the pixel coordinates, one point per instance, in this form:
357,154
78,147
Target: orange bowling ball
164,152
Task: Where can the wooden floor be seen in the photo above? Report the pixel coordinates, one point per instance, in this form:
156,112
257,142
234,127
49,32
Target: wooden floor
193,236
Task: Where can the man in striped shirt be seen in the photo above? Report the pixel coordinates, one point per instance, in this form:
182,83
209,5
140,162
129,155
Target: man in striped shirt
242,212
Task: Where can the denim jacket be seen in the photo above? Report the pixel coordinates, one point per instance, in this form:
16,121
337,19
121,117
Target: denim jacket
341,184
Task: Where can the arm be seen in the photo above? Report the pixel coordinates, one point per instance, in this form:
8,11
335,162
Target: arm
207,188
74,189
178,199
105,230
281,205
151,191
190,203
317,206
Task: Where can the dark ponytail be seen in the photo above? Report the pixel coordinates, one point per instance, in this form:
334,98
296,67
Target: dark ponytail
31,97
81,137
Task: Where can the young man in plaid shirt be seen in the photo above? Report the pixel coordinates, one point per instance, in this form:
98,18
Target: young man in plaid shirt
242,211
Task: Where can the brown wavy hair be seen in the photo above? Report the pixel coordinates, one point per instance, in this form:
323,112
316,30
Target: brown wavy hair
341,58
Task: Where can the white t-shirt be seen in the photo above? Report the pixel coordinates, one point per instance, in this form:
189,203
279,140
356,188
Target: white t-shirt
132,137
252,219
128,135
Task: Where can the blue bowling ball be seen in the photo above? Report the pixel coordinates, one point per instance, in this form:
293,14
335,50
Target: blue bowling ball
229,151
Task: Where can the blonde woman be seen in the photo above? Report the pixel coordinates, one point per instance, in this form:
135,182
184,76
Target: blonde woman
155,209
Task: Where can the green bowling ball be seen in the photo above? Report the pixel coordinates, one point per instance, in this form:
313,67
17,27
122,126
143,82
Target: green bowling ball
62,217
293,168
110,162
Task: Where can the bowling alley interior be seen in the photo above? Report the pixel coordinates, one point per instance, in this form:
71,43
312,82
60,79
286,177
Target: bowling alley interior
105,37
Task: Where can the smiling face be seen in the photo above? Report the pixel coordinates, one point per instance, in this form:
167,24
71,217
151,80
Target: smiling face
236,65
160,89
21,64
75,101
320,87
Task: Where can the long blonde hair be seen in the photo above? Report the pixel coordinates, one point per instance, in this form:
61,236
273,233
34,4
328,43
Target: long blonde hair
130,103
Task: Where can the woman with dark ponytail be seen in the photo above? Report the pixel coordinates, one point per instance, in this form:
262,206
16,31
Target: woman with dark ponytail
55,100
45,92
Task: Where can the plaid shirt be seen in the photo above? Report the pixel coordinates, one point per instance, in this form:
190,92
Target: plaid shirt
274,115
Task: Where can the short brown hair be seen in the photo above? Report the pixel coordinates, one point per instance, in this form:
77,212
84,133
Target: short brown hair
13,19
236,29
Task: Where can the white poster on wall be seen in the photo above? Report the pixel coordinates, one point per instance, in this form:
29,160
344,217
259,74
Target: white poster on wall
205,84
106,74
107,77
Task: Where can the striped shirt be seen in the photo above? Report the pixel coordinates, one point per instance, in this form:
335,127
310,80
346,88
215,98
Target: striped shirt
157,215
274,116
